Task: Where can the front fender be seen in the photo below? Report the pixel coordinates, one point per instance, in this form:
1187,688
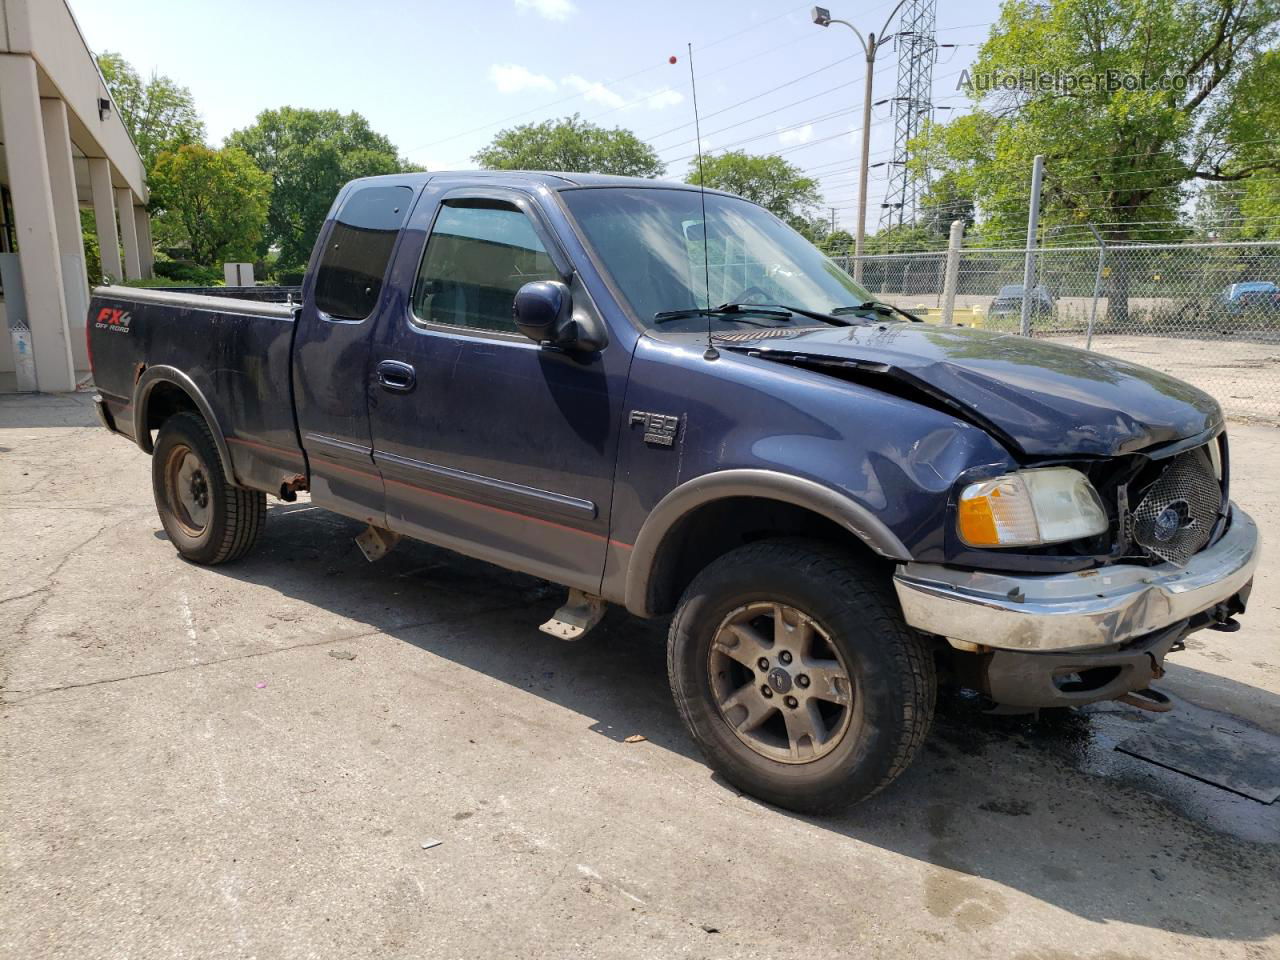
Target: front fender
760,484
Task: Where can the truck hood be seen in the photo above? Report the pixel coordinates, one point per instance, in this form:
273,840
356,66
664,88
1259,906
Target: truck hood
1041,399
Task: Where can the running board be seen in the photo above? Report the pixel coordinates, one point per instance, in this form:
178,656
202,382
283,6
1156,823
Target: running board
579,614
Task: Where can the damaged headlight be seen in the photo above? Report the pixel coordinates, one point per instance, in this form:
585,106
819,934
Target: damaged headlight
1030,508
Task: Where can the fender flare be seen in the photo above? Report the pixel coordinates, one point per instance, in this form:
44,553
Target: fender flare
760,484
162,373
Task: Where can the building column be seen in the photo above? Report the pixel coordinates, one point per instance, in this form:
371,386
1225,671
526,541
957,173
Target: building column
104,214
66,217
33,215
128,234
145,249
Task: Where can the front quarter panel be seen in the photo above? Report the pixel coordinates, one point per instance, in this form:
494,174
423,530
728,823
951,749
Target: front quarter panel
896,459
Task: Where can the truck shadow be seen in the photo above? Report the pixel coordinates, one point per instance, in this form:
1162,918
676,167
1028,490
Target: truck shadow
994,809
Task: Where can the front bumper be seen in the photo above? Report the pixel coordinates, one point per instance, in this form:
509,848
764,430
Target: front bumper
1105,607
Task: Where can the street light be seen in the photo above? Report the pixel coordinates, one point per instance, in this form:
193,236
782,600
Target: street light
871,45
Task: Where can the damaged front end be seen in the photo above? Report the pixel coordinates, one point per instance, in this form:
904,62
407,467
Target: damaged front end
1072,623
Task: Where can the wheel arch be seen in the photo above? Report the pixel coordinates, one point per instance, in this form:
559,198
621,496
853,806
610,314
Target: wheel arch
658,567
162,384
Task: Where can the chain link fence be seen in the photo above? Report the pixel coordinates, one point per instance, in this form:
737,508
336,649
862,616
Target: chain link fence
1206,313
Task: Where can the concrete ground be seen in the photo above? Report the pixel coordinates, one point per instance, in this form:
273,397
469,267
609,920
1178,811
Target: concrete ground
246,761
1243,376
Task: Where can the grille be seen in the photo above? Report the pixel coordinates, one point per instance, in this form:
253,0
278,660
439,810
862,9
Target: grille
1175,518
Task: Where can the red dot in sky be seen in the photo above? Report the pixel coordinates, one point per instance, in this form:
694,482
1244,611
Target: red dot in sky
672,60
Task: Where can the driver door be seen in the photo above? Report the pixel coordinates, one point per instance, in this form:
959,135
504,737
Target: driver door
488,443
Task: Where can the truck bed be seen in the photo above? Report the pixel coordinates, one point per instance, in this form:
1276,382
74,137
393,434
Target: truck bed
232,353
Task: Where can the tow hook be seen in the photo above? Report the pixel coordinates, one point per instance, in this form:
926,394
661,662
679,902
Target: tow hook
1148,699
1223,620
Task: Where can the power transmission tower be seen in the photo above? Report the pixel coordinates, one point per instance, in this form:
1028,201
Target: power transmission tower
917,45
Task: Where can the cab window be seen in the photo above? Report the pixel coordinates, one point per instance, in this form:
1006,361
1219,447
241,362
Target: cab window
358,249
479,254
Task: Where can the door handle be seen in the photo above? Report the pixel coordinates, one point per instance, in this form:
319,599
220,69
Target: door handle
396,376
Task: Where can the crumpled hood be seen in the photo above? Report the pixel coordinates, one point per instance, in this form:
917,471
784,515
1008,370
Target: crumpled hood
1044,398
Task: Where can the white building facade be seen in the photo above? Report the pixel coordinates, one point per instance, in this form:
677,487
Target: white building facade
63,147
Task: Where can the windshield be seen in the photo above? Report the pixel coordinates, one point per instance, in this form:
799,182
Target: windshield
650,242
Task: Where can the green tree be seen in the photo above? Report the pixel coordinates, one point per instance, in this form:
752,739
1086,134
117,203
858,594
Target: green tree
1126,157
571,145
905,237
213,201
159,114
309,155
778,186
92,249
1251,129
837,243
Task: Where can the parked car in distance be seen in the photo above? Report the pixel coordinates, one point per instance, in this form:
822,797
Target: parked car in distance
1250,297
833,502
1007,306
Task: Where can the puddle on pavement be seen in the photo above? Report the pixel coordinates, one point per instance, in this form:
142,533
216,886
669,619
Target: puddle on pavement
1085,740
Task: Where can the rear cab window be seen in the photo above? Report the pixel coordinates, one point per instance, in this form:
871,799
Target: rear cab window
358,249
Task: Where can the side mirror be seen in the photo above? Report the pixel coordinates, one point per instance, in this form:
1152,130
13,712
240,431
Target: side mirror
542,309
543,312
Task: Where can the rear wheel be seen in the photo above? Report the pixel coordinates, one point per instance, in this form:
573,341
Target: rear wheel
798,678
208,519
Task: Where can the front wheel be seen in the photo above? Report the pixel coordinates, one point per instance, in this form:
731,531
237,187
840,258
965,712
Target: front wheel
208,518
797,676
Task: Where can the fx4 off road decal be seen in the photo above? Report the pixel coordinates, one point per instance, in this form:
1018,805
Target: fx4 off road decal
110,318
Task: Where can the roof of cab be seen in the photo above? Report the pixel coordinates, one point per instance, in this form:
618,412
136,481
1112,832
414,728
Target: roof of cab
552,180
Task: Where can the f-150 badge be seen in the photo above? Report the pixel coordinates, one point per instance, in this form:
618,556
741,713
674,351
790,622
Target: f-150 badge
659,429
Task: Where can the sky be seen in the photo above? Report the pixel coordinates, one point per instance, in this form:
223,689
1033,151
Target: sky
441,79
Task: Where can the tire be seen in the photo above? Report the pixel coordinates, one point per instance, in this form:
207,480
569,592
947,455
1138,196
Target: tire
851,618
208,519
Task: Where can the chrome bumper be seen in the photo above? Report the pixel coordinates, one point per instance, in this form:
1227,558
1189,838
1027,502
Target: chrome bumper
1073,611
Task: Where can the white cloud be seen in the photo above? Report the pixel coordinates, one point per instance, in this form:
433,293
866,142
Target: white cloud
797,135
548,9
513,78
594,92
661,99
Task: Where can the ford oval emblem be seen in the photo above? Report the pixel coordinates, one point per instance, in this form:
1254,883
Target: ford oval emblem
1167,524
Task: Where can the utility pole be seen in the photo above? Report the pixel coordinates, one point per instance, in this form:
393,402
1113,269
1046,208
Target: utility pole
871,45
833,218
1033,226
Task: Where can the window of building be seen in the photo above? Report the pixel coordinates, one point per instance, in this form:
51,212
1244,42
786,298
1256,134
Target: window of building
8,238
479,254
358,250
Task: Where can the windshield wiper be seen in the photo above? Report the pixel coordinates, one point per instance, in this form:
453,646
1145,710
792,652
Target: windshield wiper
781,311
879,307
832,318
724,310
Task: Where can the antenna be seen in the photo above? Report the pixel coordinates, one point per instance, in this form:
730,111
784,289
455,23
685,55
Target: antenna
712,353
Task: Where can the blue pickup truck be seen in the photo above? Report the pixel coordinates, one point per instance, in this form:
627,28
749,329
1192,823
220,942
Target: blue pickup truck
668,400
